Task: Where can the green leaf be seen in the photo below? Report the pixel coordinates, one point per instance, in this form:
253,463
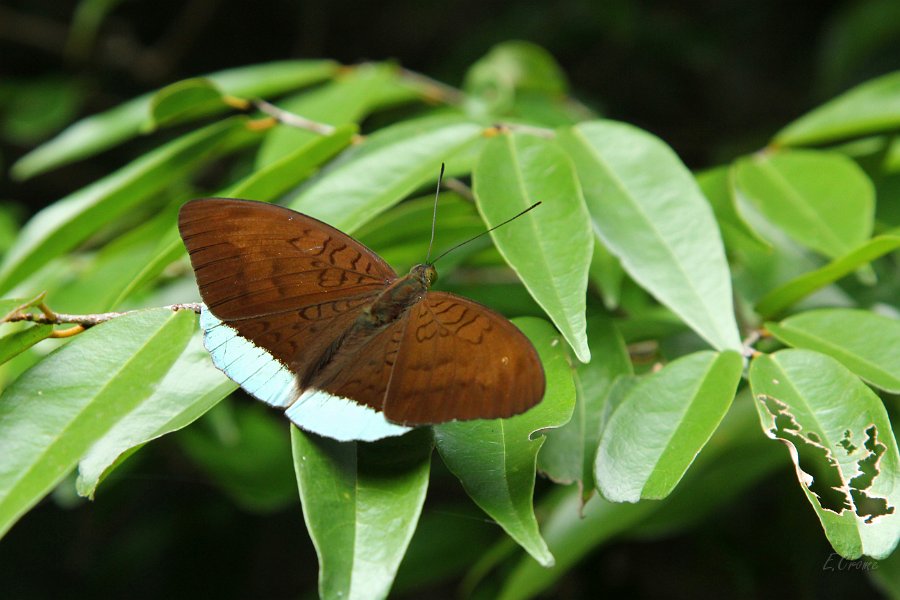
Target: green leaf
349,98
353,192
190,388
361,503
401,235
111,273
822,200
495,459
550,248
662,424
871,107
52,414
842,445
717,186
866,343
184,101
649,211
280,176
68,222
508,70
569,452
13,344
245,449
96,133
786,295
607,274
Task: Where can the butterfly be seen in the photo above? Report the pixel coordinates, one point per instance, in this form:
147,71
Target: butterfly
309,320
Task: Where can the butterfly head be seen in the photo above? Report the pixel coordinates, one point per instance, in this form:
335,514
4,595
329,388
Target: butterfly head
425,273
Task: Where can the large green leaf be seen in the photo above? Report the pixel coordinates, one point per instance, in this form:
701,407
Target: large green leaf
662,424
370,182
823,200
871,107
110,274
280,176
13,344
96,133
508,72
351,96
649,211
68,222
569,452
52,414
842,445
717,186
495,459
184,101
784,296
550,248
866,343
361,503
190,388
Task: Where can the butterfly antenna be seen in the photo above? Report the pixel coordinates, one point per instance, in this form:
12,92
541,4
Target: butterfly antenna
445,252
434,216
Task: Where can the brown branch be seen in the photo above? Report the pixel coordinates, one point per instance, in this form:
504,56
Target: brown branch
49,317
432,89
292,120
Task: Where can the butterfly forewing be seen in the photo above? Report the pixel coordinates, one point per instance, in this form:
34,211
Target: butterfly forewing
282,279
290,318
460,360
253,258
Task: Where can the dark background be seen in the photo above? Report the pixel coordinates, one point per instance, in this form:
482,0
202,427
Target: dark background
713,78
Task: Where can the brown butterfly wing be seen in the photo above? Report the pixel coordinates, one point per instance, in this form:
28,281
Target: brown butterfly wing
286,281
460,360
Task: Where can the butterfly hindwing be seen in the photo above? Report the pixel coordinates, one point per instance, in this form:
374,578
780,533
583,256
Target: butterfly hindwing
461,360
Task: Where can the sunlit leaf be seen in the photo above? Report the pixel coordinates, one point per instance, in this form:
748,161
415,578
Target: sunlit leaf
871,107
361,503
68,222
353,94
784,296
822,200
842,445
52,414
370,182
649,211
866,343
495,459
190,388
96,133
662,424
550,248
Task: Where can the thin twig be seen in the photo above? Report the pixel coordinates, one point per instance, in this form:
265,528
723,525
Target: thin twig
755,335
292,120
455,185
49,317
432,89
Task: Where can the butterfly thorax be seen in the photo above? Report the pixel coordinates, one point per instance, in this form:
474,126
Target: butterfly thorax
390,305
400,295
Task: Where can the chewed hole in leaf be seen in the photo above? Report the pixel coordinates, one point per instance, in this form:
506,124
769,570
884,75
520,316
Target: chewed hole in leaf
822,474
846,444
866,505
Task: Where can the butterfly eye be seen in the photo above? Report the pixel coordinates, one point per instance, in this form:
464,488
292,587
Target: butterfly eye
431,275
